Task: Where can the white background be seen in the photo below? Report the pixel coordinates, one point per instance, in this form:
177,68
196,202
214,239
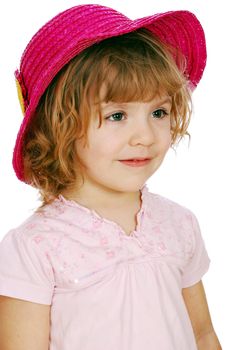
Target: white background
199,176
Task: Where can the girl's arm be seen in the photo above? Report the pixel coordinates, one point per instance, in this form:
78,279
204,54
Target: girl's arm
23,325
209,341
196,303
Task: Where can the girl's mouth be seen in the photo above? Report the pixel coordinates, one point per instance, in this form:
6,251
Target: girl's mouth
135,162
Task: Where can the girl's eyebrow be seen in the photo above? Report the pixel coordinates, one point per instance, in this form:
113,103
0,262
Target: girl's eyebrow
125,104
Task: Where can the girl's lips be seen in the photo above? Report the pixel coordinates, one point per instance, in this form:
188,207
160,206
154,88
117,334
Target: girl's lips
135,163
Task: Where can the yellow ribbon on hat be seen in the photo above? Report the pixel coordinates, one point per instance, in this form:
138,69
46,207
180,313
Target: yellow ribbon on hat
20,96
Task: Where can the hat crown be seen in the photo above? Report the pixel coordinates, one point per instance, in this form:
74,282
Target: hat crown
63,37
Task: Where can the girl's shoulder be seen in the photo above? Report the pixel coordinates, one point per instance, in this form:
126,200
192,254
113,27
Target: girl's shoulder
166,206
25,269
40,224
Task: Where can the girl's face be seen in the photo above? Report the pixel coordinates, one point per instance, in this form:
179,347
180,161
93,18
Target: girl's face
128,131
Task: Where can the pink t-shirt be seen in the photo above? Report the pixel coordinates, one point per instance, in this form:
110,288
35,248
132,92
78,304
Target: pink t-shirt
108,290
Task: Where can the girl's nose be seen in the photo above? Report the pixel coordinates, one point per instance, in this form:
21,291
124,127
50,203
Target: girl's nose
142,132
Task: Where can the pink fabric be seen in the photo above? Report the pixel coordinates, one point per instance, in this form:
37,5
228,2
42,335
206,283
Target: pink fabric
108,290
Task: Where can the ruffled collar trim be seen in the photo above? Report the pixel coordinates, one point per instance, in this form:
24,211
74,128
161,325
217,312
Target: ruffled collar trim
72,203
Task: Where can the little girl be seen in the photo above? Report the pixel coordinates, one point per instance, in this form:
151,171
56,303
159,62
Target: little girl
103,263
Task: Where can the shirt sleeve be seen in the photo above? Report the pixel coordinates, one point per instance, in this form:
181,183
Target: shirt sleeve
25,272
199,262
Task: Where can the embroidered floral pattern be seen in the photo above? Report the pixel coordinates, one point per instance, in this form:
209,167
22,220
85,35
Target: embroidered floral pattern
79,243
93,274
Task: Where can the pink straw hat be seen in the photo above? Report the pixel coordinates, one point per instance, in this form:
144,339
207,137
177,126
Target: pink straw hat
79,27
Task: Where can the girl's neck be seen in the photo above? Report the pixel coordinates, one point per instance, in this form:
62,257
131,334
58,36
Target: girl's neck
96,198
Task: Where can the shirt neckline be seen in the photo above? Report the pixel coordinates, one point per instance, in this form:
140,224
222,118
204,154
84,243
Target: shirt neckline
72,203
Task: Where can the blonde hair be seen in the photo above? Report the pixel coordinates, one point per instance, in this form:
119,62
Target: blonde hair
134,67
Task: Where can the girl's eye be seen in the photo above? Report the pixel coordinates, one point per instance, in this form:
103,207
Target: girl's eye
115,114
159,113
